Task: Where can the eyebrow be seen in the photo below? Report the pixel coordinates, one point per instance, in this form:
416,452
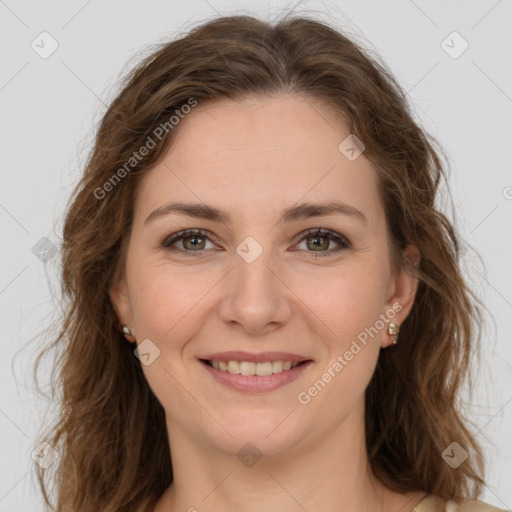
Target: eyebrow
302,211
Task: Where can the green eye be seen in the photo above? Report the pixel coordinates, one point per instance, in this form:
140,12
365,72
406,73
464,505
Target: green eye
321,238
192,241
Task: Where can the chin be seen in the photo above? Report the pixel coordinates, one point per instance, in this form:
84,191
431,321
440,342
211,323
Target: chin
268,433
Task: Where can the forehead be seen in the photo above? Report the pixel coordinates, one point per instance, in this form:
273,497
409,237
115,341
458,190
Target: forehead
260,153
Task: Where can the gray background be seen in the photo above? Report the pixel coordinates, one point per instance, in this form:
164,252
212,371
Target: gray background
50,107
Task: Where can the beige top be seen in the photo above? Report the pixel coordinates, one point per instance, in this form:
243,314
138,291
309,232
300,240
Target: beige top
436,504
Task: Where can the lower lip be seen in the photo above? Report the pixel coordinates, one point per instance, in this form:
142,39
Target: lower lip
256,383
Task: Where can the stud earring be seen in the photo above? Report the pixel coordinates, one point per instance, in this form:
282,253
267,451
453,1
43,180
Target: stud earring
393,329
128,332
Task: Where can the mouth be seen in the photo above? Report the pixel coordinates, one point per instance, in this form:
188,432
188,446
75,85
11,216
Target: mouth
250,368
250,377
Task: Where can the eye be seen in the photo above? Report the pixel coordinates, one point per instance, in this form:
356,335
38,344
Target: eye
319,238
193,242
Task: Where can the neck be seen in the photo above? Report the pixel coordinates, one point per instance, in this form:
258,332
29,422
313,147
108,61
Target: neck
328,473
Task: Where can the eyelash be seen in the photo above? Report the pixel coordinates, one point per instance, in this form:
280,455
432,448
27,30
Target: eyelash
325,233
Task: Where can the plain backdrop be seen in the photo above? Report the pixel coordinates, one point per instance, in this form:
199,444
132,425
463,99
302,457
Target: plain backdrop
459,86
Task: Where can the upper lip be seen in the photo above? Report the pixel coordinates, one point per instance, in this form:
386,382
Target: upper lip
235,355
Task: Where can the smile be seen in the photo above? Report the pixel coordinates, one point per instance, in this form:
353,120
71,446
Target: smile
250,368
254,377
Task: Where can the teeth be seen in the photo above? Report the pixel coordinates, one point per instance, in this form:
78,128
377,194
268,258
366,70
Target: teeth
233,367
263,369
249,368
277,366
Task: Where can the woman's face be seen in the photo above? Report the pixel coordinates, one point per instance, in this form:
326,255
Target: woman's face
258,282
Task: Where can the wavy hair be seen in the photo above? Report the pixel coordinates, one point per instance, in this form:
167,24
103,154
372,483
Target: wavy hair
110,430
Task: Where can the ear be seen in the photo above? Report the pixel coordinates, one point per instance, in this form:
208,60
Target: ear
119,297
402,288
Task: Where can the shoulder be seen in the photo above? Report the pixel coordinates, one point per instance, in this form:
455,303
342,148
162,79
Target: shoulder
437,504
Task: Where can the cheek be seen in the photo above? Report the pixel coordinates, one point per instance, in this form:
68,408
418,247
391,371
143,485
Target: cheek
347,299
349,305
167,300
167,307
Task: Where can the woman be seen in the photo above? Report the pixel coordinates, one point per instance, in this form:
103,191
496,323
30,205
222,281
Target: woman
265,309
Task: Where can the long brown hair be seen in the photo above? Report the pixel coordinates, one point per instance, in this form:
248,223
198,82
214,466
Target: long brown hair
110,432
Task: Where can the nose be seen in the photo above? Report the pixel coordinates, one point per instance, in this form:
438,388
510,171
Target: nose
256,298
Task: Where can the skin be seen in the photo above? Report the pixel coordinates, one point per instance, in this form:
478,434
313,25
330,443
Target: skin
253,158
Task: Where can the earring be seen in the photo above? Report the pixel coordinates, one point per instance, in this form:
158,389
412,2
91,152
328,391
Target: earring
128,332
393,331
